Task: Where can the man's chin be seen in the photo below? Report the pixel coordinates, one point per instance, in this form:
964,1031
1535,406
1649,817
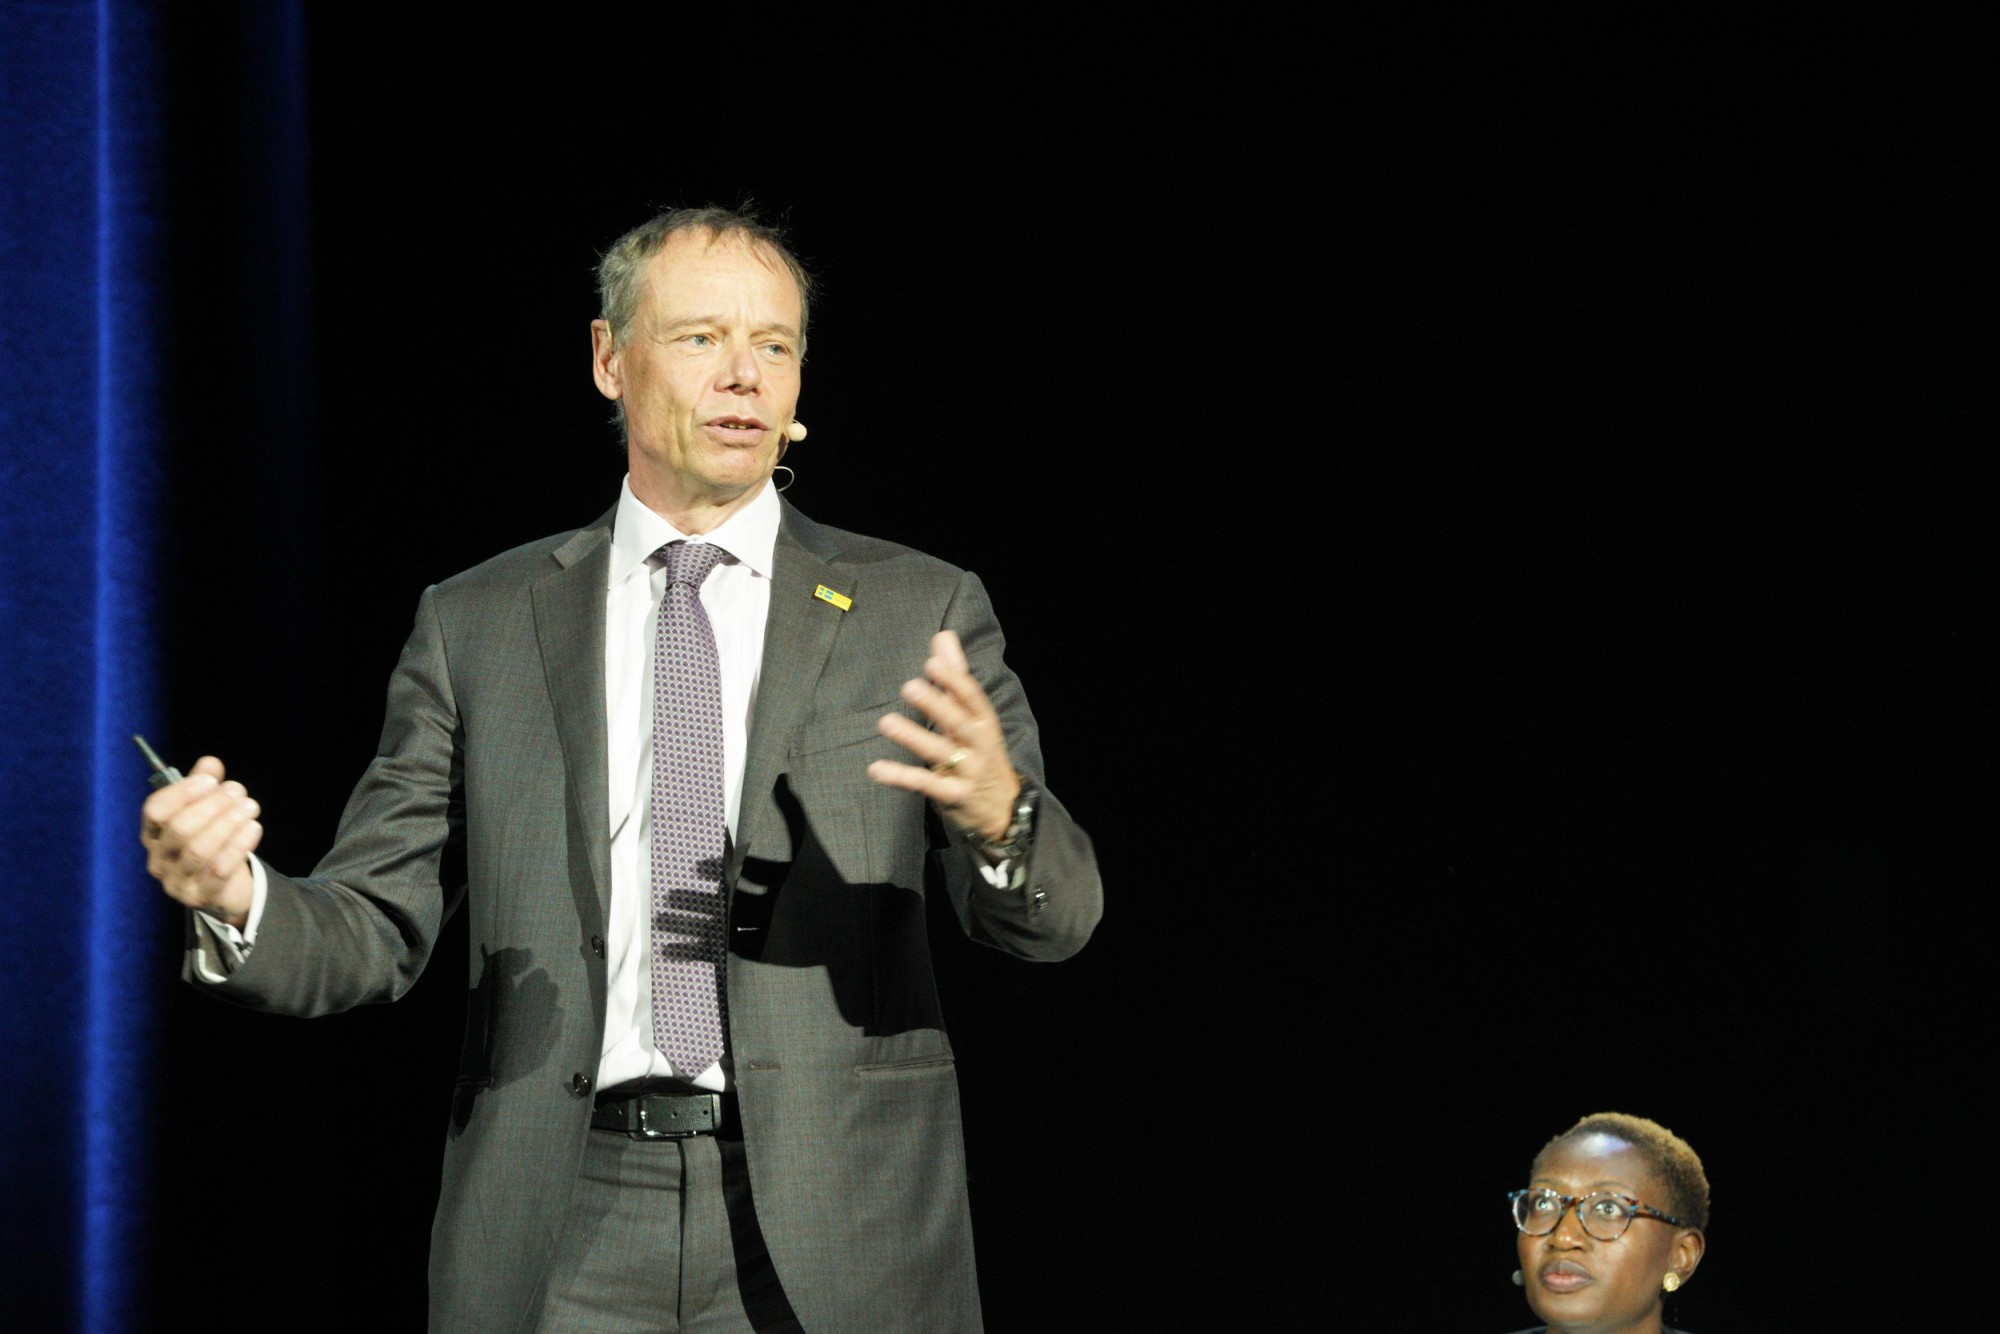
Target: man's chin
735,470
711,470
732,486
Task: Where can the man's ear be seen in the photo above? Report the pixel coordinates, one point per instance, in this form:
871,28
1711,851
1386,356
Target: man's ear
604,361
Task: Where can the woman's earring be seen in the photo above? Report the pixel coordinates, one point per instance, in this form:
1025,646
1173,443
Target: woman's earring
1519,1281
1671,1282
795,430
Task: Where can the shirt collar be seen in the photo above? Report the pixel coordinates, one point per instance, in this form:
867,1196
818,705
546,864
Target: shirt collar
750,534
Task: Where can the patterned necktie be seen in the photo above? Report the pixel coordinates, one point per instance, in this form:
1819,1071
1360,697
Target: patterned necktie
690,1012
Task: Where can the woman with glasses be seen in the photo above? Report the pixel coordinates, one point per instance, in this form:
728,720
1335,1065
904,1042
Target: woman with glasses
1610,1223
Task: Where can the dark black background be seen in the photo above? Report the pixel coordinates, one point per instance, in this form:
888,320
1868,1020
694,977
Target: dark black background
1484,546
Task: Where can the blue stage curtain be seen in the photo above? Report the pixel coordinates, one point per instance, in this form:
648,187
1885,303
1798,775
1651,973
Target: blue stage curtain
87,159
79,328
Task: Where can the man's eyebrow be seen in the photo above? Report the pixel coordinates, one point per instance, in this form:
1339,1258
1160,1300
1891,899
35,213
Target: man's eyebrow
715,321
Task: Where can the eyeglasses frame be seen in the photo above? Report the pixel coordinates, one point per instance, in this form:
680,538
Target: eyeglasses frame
1575,1203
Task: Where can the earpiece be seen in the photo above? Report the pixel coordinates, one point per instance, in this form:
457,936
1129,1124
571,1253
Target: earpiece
1519,1281
795,430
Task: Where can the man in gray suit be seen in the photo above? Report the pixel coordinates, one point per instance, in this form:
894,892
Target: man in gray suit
805,1170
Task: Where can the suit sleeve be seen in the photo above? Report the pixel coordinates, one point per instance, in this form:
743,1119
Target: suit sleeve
1061,897
360,929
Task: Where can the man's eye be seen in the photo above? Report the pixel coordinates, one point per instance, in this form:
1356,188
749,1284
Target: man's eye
697,340
778,349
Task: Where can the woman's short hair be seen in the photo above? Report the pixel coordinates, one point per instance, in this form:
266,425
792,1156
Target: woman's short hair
1672,1161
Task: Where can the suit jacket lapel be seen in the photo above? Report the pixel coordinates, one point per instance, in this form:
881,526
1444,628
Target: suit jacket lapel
569,626
798,635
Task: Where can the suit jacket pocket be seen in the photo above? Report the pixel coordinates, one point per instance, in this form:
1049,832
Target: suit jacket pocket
846,729
914,1065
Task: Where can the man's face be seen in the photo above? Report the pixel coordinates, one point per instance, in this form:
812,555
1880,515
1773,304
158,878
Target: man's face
708,372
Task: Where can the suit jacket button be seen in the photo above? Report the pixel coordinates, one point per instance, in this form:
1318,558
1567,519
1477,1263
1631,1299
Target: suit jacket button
597,946
579,1083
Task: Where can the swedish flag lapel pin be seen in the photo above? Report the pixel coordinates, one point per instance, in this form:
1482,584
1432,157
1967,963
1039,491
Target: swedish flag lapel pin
840,600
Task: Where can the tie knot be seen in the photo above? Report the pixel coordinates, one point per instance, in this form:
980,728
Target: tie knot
690,562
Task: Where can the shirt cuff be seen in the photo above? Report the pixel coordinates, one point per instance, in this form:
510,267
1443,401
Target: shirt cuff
219,948
1005,866
1007,873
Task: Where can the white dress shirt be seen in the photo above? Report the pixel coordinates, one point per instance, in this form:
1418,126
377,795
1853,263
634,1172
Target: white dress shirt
737,598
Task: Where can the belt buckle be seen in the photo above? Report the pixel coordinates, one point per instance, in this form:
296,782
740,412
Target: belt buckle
647,1130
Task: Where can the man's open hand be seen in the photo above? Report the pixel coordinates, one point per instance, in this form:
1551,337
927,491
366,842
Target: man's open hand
965,769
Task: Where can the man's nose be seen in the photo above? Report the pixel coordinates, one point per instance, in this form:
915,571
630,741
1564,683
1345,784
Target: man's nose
741,372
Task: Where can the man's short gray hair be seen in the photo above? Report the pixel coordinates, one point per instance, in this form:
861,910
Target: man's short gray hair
621,271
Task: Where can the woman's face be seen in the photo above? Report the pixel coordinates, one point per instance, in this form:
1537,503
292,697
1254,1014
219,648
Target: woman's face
1578,1283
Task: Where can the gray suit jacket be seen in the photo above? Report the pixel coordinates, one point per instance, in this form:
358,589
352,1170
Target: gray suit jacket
490,787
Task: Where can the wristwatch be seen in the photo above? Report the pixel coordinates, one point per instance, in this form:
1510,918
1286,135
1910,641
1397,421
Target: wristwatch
1020,835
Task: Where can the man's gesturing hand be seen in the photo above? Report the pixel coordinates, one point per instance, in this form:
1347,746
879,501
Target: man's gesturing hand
198,835
965,769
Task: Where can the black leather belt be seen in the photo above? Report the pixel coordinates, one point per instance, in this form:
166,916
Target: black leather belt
661,1115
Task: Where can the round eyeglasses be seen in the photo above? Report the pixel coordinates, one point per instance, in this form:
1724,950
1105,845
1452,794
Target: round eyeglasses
1604,1216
